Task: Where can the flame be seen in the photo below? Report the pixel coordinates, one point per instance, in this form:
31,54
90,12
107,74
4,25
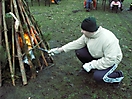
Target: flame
52,1
27,40
20,41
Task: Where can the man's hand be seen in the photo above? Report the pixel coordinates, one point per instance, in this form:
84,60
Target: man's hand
54,51
87,67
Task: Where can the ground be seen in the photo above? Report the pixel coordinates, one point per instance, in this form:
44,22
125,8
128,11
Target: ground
62,78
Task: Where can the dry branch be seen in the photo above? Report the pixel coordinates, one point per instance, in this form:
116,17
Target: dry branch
6,42
24,79
29,60
31,29
0,39
21,37
13,43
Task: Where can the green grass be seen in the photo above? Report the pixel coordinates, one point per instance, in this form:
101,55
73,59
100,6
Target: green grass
65,27
61,81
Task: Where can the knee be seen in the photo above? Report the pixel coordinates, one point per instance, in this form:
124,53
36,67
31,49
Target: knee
98,77
77,52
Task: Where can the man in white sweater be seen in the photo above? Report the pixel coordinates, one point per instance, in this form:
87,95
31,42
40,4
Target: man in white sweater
98,49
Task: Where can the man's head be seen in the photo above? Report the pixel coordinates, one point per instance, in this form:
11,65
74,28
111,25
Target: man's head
89,24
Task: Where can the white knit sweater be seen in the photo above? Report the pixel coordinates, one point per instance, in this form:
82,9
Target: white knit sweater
102,44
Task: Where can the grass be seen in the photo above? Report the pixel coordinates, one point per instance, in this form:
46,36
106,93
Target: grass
61,80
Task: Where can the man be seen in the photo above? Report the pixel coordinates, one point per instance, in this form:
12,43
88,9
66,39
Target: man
98,49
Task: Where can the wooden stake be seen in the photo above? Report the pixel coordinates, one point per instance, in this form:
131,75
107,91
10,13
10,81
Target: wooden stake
33,71
38,47
13,43
6,42
31,31
24,79
0,40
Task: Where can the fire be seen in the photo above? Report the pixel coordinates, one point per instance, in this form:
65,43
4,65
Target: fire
52,1
29,43
27,40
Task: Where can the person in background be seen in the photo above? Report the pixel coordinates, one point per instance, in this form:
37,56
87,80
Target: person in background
94,4
121,1
115,3
130,8
99,51
88,3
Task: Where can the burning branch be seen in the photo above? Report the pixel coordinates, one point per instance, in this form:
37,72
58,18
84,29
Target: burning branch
32,29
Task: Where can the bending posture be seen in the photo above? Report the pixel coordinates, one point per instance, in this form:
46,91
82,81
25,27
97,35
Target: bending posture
98,49
115,3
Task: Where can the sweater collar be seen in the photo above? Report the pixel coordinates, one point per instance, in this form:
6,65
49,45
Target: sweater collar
97,33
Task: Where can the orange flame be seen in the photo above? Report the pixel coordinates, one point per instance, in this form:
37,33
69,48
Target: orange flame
27,39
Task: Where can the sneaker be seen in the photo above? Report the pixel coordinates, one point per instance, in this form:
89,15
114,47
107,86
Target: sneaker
117,84
87,10
121,9
94,8
120,73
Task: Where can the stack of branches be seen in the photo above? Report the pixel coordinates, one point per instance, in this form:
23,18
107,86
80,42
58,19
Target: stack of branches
21,40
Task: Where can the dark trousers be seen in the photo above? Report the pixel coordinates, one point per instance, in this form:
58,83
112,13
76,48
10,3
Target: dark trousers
84,56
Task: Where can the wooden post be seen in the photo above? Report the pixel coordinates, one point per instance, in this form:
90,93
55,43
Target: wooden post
24,79
31,31
13,42
33,71
0,40
6,42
